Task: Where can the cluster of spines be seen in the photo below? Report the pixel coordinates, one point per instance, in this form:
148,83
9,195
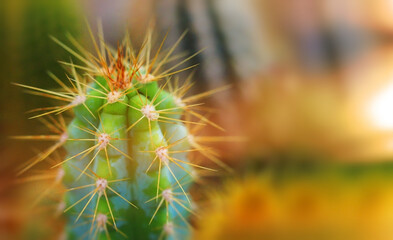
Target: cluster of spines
151,131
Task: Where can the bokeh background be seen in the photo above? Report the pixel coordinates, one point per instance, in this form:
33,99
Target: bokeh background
308,115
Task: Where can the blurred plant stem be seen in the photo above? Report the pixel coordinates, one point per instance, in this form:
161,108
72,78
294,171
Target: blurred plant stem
27,53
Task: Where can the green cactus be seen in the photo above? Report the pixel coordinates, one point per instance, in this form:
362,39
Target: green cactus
127,170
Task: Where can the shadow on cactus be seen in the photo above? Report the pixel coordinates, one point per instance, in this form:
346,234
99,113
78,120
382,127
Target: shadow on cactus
126,167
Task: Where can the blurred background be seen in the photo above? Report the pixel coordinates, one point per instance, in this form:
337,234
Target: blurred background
310,105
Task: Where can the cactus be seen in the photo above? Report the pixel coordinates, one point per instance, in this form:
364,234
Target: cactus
126,169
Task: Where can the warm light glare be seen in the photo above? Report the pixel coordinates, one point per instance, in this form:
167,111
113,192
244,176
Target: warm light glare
381,108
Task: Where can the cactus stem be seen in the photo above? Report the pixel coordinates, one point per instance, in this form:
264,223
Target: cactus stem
169,197
79,99
167,194
162,154
150,112
99,224
101,186
103,143
103,139
148,78
114,96
178,183
169,228
101,221
119,90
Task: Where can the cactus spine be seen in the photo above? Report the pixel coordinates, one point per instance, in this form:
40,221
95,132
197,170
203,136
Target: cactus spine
126,170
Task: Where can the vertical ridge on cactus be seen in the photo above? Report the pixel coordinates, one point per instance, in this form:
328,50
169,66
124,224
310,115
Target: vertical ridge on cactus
126,167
